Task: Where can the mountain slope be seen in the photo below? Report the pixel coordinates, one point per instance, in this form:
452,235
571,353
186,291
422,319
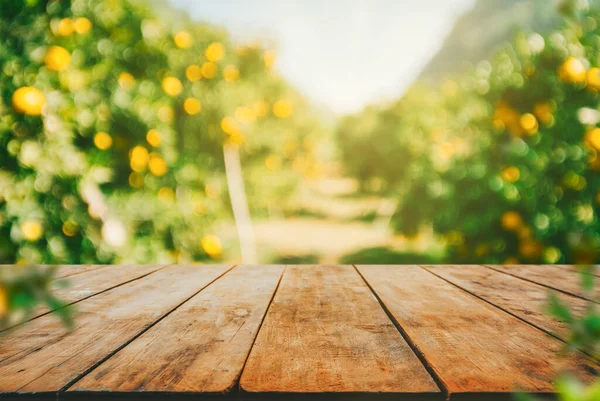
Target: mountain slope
486,26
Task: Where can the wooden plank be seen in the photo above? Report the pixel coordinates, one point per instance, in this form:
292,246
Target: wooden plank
91,282
42,356
326,332
201,347
554,277
595,269
474,347
524,299
64,271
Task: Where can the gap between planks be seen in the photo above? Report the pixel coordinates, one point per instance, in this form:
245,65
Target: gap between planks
550,333
503,269
436,378
109,355
410,342
237,385
70,303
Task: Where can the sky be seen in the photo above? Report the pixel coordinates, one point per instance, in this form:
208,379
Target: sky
341,54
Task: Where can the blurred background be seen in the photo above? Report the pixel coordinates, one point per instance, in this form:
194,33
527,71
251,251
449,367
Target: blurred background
381,131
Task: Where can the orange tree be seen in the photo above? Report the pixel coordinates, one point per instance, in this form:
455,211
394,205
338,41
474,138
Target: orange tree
502,161
113,121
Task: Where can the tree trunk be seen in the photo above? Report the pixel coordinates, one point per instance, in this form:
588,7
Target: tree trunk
239,203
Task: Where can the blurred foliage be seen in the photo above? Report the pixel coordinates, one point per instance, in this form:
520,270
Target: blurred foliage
584,335
113,119
306,259
584,330
386,256
25,288
501,161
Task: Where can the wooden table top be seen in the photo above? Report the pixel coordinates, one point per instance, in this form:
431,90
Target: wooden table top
320,332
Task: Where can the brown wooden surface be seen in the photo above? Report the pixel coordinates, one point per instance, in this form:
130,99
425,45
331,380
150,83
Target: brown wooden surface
69,270
89,282
42,356
325,332
594,269
201,347
321,331
471,345
556,277
94,281
521,298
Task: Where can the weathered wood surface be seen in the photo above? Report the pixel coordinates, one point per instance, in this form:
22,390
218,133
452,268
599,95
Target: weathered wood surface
269,332
61,271
325,332
42,356
595,270
556,277
201,347
526,300
95,281
89,282
70,270
474,347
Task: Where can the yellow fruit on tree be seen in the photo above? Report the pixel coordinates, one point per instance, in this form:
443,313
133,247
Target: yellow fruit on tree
215,52
193,73
543,112
28,100
572,70
209,70
229,126
3,301
192,106
82,25
183,40
592,138
593,78
212,245
65,27
157,165
153,138
32,230
172,86
511,174
282,109
511,221
126,80
138,158
529,123
57,58
102,140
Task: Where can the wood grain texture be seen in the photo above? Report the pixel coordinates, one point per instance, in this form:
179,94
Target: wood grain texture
556,277
201,347
92,282
42,356
474,347
63,271
326,332
595,270
522,298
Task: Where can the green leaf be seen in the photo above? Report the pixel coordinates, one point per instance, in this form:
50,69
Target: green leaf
559,309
